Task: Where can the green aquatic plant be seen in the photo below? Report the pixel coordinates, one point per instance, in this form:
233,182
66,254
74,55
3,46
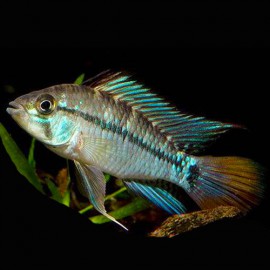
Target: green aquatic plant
18,158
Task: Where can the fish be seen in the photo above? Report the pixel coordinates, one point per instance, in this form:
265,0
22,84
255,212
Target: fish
116,125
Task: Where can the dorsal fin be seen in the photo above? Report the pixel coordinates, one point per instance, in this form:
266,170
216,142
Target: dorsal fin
187,132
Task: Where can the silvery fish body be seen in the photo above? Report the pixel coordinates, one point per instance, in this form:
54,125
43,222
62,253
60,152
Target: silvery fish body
115,125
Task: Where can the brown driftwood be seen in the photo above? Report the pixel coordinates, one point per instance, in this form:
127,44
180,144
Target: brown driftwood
178,224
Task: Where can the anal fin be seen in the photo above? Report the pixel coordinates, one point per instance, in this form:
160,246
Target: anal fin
156,195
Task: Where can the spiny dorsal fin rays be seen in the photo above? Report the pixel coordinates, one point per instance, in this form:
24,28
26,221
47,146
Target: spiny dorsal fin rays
104,76
186,131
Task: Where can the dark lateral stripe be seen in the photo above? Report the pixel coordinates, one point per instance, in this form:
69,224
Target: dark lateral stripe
173,159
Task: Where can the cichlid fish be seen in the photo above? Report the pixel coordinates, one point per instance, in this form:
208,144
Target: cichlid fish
115,125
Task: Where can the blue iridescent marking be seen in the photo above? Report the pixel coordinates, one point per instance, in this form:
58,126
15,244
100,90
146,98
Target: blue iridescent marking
120,85
179,158
118,80
127,90
62,103
44,120
151,100
124,133
192,161
64,130
178,169
108,125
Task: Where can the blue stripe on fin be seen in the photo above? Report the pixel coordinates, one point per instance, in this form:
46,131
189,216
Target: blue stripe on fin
132,89
121,85
121,79
159,197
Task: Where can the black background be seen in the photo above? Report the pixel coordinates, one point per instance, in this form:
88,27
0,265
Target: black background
197,55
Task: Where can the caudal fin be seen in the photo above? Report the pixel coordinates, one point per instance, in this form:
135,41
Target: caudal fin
232,181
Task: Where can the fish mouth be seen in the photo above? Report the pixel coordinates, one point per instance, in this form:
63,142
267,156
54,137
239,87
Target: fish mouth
15,108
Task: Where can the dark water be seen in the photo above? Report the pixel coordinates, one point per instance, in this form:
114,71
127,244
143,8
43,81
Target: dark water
223,85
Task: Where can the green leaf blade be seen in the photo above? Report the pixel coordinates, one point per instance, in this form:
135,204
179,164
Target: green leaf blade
128,210
56,195
19,159
31,159
108,197
66,199
80,79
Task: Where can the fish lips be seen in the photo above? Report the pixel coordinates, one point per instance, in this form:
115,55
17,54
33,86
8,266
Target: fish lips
15,108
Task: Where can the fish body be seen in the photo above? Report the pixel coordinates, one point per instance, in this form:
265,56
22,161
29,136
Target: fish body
115,125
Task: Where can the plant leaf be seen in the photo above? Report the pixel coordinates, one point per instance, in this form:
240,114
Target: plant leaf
66,199
80,79
56,195
31,159
19,159
107,177
128,210
108,197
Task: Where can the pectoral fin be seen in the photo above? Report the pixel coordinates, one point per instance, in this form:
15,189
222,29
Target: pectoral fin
94,185
95,149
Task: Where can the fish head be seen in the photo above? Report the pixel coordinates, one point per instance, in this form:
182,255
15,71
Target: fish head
39,114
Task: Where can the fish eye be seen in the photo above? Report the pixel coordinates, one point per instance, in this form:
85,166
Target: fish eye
45,104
